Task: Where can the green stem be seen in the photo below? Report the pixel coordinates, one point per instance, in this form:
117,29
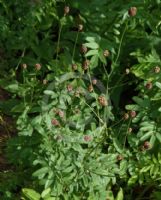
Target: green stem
119,49
117,83
20,60
105,111
33,89
117,86
95,95
94,112
73,54
58,42
24,81
127,132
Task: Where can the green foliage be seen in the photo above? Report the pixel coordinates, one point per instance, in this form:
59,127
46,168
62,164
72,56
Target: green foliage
85,90
149,170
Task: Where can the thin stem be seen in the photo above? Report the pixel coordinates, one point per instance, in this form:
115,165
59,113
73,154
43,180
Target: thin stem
120,128
116,86
107,79
119,49
105,70
94,93
73,54
22,55
24,81
116,123
94,112
105,111
127,132
58,42
33,89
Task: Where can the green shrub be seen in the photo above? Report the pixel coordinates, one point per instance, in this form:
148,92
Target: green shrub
86,86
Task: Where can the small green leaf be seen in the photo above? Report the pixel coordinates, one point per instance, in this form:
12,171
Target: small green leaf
145,169
158,85
92,45
152,140
152,167
142,102
102,57
18,108
92,52
132,107
116,32
117,145
158,135
120,195
146,136
12,87
141,178
94,61
45,193
68,169
90,39
50,93
31,194
41,171
132,180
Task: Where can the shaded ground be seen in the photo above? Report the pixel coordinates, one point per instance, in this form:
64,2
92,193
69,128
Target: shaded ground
7,130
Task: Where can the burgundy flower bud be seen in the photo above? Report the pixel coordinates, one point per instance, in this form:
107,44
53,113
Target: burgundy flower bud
147,145
24,66
102,100
129,130
69,88
126,116
74,67
90,88
87,138
80,27
132,11
127,71
149,85
157,69
45,82
66,10
94,81
55,122
119,157
37,66
106,53
61,113
83,49
132,113
86,64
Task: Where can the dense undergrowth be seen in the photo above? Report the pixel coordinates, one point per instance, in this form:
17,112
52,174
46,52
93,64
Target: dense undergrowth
84,86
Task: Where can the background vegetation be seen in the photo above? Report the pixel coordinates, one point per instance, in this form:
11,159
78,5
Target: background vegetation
80,100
